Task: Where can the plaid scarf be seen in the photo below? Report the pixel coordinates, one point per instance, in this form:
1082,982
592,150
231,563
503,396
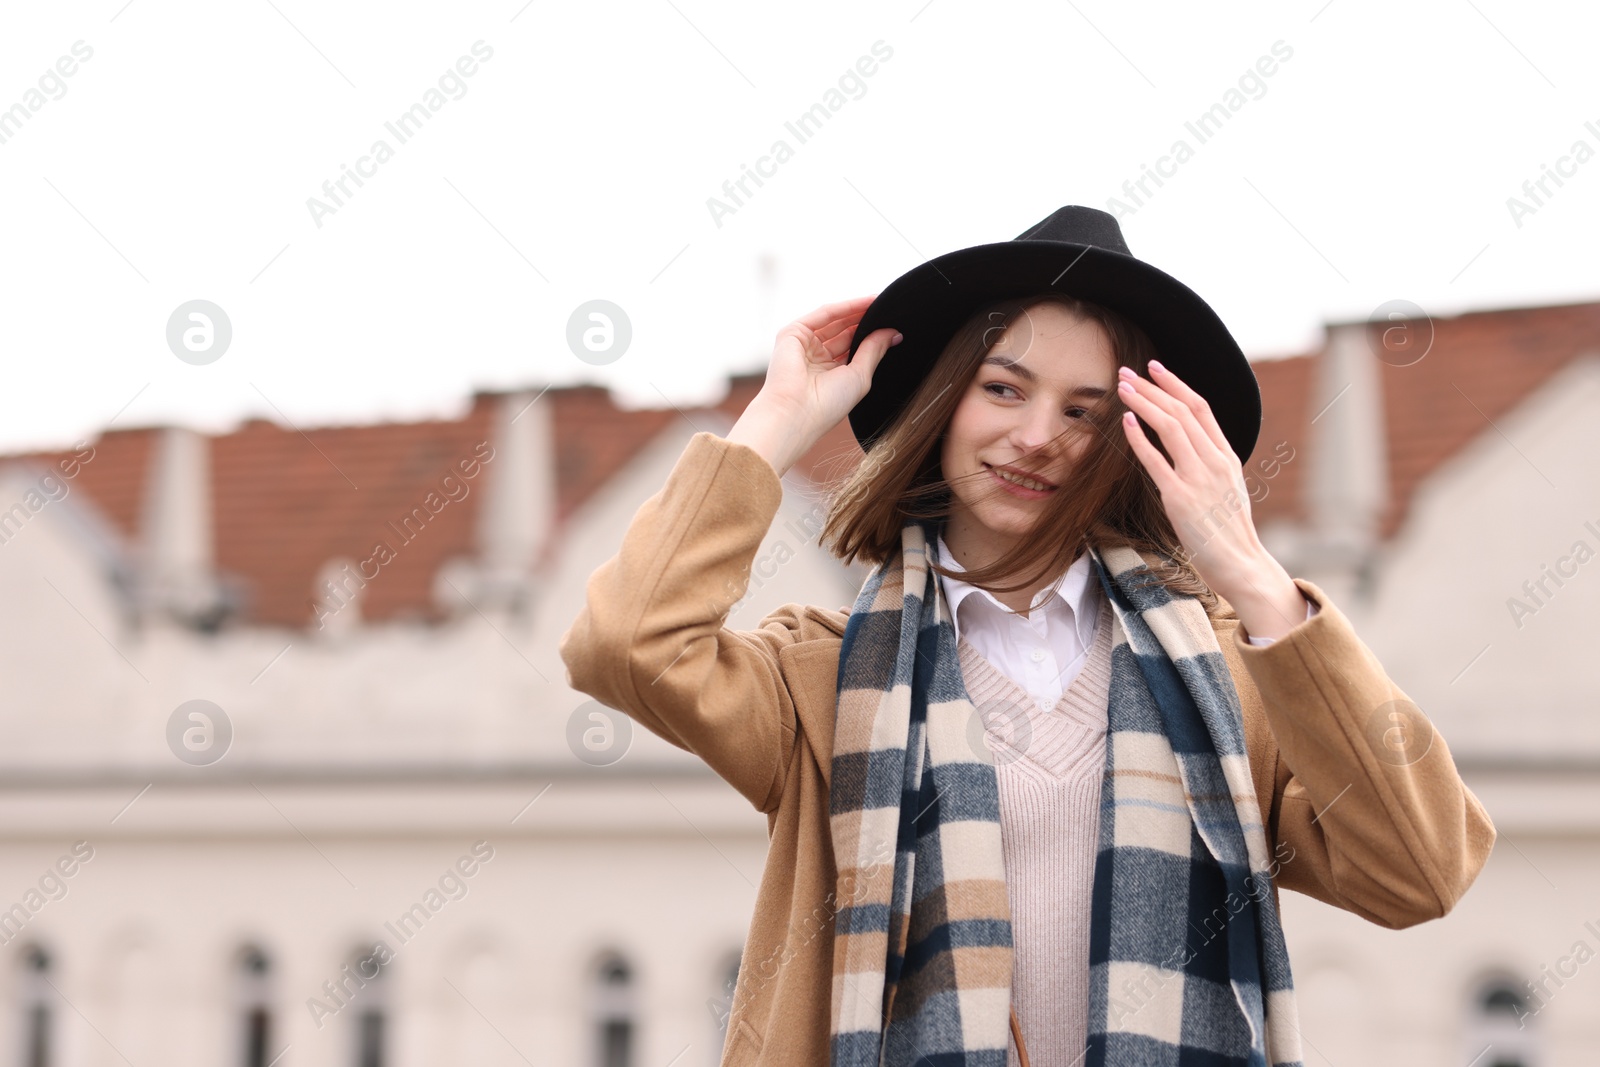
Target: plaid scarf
1187,960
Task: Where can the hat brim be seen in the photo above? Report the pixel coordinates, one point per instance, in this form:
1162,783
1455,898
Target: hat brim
930,302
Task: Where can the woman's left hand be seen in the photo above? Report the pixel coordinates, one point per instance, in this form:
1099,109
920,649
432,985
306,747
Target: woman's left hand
1203,491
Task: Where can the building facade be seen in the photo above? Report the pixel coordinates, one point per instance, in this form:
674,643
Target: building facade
294,775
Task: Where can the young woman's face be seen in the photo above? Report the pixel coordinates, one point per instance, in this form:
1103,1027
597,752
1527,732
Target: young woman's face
1046,371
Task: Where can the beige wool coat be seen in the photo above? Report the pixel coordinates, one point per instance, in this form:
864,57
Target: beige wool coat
1396,840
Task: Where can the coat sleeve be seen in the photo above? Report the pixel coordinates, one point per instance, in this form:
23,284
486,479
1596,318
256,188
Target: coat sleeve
1378,819
650,640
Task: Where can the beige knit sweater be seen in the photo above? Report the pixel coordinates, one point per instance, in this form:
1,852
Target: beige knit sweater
1048,765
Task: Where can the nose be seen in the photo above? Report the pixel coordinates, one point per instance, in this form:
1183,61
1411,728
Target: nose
1040,430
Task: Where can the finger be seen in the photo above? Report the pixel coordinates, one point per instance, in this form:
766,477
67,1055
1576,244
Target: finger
1196,403
839,343
844,322
835,312
871,352
1147,453
829,342
838,335
1136,394
1204,446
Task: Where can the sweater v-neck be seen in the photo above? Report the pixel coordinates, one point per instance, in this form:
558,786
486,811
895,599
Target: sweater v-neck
1052,742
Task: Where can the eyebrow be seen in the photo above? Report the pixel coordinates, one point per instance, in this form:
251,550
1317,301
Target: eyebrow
1016,367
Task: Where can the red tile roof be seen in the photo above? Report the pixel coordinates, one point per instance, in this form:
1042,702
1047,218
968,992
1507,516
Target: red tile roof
1481,366
112,476
284,502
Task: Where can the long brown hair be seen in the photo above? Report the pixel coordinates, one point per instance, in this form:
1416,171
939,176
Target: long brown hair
1108,498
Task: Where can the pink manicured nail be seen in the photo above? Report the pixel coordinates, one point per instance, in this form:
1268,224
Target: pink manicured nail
1155,364
1125,386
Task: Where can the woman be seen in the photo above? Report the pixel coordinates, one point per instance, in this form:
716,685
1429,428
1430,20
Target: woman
1038,806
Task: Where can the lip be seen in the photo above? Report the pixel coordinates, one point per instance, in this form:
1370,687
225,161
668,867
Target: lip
1013,487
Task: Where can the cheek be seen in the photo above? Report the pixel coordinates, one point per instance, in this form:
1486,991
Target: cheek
956,447
970,426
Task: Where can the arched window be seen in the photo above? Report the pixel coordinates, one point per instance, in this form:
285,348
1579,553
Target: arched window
371,1007
615,1012
35,1001
1504,1027
253,983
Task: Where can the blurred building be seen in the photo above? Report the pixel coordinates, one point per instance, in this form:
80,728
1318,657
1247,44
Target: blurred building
293,775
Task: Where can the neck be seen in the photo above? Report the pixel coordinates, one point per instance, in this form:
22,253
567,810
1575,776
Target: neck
974,546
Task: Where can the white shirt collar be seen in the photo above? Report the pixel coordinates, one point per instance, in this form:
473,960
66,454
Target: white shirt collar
1072,589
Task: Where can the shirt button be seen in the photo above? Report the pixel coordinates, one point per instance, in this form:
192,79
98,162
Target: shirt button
1038,655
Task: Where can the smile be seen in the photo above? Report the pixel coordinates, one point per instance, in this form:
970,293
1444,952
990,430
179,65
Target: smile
1019,484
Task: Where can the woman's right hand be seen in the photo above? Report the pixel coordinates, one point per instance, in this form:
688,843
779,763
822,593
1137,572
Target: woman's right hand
809,387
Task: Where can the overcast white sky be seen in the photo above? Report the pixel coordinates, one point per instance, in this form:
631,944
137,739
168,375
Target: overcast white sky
175,163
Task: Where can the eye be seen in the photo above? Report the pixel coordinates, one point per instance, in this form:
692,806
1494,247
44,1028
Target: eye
988,387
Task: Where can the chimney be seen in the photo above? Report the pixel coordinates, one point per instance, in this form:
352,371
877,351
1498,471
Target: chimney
177,580
338,593
519,502
1347,480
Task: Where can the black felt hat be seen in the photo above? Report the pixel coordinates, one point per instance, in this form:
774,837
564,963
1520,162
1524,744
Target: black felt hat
1077,251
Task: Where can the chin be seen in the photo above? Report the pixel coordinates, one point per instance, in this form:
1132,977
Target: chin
1006,524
